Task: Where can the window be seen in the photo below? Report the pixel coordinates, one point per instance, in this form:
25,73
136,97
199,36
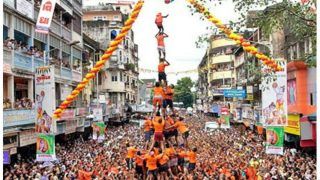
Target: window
313,99
99,78
114,78
120,56
113,34
77,24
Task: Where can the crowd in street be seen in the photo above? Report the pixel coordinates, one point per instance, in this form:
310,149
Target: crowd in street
221,154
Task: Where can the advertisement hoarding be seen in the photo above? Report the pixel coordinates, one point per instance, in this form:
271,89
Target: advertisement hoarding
274,98
45,99
45,16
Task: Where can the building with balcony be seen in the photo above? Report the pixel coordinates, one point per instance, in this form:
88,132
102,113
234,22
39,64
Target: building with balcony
119,82
24,51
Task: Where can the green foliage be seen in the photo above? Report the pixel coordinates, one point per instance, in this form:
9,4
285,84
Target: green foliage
182,91
298,19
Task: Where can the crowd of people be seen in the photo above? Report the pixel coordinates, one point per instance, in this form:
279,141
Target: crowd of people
219,154
23,103
22,47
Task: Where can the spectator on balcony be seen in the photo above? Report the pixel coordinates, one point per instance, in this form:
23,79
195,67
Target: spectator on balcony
6,104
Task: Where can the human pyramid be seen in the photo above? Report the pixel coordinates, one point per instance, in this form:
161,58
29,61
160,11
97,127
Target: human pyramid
166,152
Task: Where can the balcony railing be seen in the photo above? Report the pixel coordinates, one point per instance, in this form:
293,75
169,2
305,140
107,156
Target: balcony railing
7,56
18,117
36,14
38,62
23,61
66,33
57,71
55,27
76,76
66,73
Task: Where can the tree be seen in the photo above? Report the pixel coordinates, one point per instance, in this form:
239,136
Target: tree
297,17
183,91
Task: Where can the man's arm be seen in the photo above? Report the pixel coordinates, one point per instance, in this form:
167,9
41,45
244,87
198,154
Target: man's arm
167,62
156,35
165,16
165,35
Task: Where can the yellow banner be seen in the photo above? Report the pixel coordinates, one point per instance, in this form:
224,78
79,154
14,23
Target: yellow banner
293,125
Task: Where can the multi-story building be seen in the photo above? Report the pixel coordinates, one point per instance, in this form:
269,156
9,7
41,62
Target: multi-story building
24,51
146,89
120,75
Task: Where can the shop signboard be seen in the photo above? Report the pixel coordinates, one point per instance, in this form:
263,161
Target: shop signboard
275,140
46,147
97,113
80,122
45,16
68,114
231,93
27,137
25,7
274,98
81,111
45,99
18,117
71,126
6,157
293,126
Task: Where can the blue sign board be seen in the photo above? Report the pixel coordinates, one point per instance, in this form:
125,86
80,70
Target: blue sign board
6,157
230,93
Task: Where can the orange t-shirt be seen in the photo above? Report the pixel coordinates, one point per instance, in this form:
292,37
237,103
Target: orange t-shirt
147,125
158,92
169,93
192,157
251,173
182,154
151,162
158,127
163,159
84,175
170,151
181,126
131,152
160,39
161,67
139,160
159,19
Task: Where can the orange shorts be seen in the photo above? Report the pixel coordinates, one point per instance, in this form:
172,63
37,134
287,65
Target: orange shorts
157,101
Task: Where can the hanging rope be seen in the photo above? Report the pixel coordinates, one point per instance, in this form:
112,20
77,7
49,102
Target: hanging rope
112,47
238,38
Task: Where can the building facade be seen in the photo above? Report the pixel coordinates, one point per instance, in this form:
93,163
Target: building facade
119,79
25,50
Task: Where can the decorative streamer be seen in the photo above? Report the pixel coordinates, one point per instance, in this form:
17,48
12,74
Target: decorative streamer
112,47
238,38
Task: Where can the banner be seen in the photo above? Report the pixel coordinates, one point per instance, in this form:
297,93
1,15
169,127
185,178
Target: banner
275,138
97,113
274,98
45,16
46,147
6,157
98,130
45,99
225,121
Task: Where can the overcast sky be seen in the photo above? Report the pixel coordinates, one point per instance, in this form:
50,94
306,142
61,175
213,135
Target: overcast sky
183,30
